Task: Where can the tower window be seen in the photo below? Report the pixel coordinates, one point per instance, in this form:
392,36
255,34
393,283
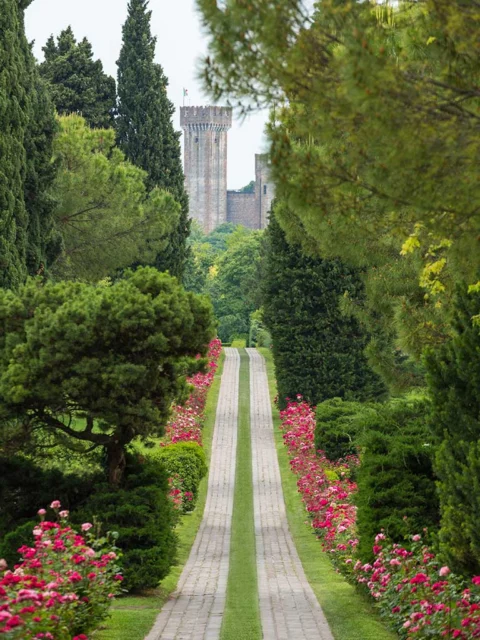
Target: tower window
196,139
216,140
264,189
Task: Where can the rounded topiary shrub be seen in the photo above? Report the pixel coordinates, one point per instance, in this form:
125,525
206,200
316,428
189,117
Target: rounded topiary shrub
187,461
396,482
142,514
338,424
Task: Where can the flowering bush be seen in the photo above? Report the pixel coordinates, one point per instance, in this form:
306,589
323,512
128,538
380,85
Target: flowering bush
63,584
187,422
325,486
419,597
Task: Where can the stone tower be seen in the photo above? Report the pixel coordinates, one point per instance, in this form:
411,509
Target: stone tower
264,189
205,132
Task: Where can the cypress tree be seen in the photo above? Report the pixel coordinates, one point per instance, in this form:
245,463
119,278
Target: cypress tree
453,376
13,122
77,82
27,128
145,129
44,242
318,351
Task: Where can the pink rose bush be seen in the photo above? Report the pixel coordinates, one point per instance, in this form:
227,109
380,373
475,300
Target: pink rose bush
417,595
63,585
187,421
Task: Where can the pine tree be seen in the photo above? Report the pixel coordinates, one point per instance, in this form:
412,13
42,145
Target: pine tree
77,82
318,352
145,129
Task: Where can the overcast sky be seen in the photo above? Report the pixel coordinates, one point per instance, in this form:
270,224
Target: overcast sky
179,47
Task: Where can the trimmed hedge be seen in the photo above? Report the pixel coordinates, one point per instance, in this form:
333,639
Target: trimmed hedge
396,482
186,460
318,351
144,517
338,425
25,487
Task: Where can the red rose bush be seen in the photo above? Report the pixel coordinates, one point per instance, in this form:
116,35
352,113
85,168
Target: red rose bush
417,595
63,585
187,421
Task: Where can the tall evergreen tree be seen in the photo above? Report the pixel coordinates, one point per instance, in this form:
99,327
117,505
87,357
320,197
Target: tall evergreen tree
77,82
453,376
27,128
145,128
318,351
13,118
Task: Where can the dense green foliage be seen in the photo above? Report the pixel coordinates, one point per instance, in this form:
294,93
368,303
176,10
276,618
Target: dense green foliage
454,381
318,351
145,131
106,217
225,264
142,514
77,82
339,424
187,461
25,486
234,284
396,482
374,147
27,127
116,356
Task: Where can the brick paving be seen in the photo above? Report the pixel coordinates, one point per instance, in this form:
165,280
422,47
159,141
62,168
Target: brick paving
288,606
195,610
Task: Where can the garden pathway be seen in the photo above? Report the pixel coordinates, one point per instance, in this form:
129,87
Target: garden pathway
195,611
288,606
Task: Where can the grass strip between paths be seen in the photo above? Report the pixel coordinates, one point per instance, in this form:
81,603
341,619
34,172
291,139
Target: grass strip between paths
350,615
241,620
132,617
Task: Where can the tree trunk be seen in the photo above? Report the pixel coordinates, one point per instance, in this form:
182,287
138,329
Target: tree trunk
116,462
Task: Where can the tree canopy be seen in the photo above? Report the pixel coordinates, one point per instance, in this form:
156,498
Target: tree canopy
112,357
374,137
105,215
77,82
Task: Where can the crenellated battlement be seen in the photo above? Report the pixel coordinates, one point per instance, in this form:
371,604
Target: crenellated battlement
205,117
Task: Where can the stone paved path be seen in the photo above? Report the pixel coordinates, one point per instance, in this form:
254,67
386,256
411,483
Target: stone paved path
196,609
288,606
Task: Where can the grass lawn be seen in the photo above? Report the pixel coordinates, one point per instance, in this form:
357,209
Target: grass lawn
132,617
349,613
241,620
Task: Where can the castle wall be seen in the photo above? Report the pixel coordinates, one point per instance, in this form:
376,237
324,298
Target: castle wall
242,208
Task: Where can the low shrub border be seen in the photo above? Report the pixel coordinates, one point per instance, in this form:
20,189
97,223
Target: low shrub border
418,597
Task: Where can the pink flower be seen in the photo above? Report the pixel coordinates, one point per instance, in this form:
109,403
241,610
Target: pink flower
86,526
417,537
476,580
444,571
3,564
56,504
41,512
64,514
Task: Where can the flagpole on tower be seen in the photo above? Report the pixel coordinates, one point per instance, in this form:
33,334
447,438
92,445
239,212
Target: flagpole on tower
185,94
